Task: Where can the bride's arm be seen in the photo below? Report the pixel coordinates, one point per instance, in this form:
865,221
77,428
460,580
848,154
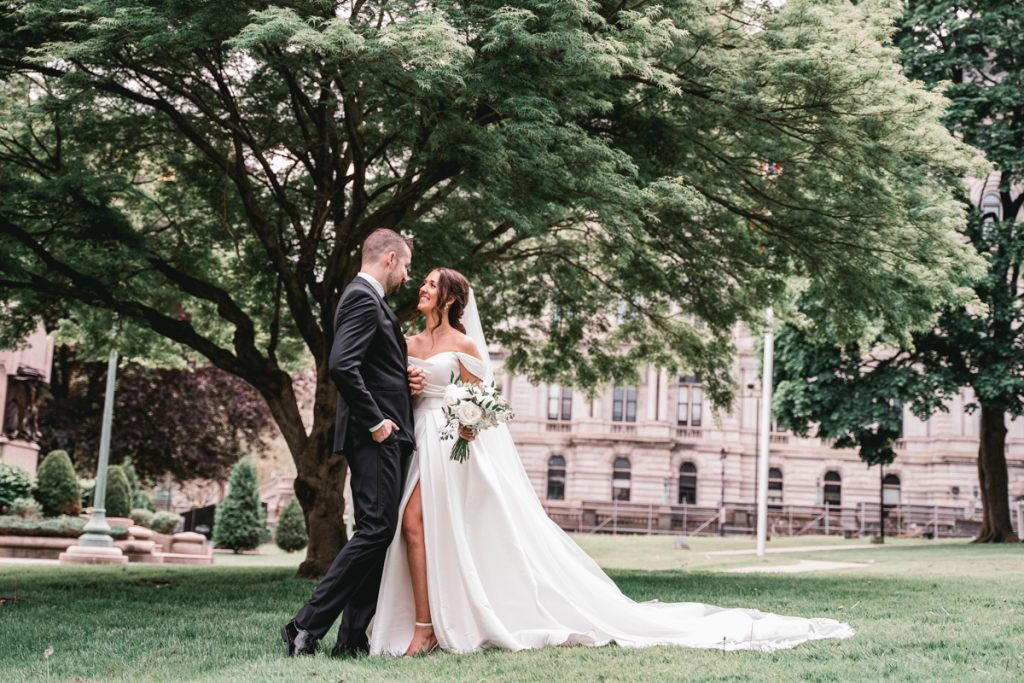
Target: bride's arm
467,347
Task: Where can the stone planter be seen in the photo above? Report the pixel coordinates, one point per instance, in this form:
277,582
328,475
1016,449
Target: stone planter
34,547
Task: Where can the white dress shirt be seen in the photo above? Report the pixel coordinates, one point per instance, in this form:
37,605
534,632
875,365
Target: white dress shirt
377,287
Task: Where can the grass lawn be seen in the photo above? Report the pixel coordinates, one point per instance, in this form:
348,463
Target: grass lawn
923,611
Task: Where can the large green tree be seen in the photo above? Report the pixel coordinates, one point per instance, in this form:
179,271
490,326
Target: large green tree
207,172
974,51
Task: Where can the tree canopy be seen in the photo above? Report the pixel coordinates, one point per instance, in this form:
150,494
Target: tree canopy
971,50
208,171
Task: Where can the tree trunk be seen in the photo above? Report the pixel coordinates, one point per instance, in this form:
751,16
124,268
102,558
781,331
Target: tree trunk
992,479
320,484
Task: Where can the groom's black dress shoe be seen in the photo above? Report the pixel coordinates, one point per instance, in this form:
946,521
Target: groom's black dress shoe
298,641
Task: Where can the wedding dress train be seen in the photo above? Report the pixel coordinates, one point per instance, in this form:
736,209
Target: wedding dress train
501,574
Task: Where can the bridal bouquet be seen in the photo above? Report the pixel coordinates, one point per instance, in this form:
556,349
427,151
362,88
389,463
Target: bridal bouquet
475,406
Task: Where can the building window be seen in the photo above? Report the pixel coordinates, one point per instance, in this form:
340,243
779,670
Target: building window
620,479
775,488
833,489
690,405
687,484
559,402
890,490
624,404
556,478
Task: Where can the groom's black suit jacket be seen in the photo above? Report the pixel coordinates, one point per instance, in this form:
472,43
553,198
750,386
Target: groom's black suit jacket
368,364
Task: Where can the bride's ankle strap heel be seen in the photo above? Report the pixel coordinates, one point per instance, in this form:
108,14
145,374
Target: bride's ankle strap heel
424,623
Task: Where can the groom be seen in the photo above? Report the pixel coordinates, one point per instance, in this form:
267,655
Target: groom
374,429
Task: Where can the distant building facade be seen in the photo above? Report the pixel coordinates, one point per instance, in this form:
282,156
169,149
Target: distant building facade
659,443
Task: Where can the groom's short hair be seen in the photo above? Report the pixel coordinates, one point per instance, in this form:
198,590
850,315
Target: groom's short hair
383,240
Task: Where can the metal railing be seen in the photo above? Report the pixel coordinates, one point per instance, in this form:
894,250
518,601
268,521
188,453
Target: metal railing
619,517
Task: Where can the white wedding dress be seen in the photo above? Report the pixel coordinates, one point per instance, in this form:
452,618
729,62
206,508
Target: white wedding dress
501,574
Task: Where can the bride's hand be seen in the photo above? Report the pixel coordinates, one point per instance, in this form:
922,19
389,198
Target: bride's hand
467,433
417,380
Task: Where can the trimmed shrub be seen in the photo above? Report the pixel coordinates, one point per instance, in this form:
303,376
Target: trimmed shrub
142,517
27,508
238,523
15,482
142,501
57,486
291,528
165,522
59,527
119,493
88,488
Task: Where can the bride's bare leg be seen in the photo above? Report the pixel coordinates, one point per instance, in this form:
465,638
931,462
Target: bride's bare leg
423,639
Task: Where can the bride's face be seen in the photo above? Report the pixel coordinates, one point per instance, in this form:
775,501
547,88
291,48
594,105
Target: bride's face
428,293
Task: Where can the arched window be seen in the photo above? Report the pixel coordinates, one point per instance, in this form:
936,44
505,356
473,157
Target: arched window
833,488
775,488
890,490
620,479
991,211
556,478
688,483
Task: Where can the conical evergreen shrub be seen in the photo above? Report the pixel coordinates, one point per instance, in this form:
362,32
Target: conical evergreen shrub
119,493
291,528
239,521
57,486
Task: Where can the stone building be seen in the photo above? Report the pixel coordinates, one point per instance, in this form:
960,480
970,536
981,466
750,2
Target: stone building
656,451
24,384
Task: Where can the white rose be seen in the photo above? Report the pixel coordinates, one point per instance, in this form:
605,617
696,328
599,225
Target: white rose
469,414
451,395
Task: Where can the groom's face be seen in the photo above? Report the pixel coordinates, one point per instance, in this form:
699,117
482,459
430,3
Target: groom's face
399,271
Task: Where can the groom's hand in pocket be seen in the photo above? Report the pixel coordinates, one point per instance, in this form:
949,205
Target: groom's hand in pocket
385,430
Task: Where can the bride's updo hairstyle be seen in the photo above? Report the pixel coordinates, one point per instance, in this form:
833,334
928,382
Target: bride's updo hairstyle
452,285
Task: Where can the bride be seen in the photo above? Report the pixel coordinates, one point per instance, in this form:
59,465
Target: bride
478,564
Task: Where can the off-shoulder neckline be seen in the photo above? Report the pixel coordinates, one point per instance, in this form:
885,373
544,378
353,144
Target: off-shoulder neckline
441,353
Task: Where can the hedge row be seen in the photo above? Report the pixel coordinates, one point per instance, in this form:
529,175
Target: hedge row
54,527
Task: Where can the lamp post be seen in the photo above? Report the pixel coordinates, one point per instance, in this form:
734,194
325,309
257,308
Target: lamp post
96,546
721,495
765,428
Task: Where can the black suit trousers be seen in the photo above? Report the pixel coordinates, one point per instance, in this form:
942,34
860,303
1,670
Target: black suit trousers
353,581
